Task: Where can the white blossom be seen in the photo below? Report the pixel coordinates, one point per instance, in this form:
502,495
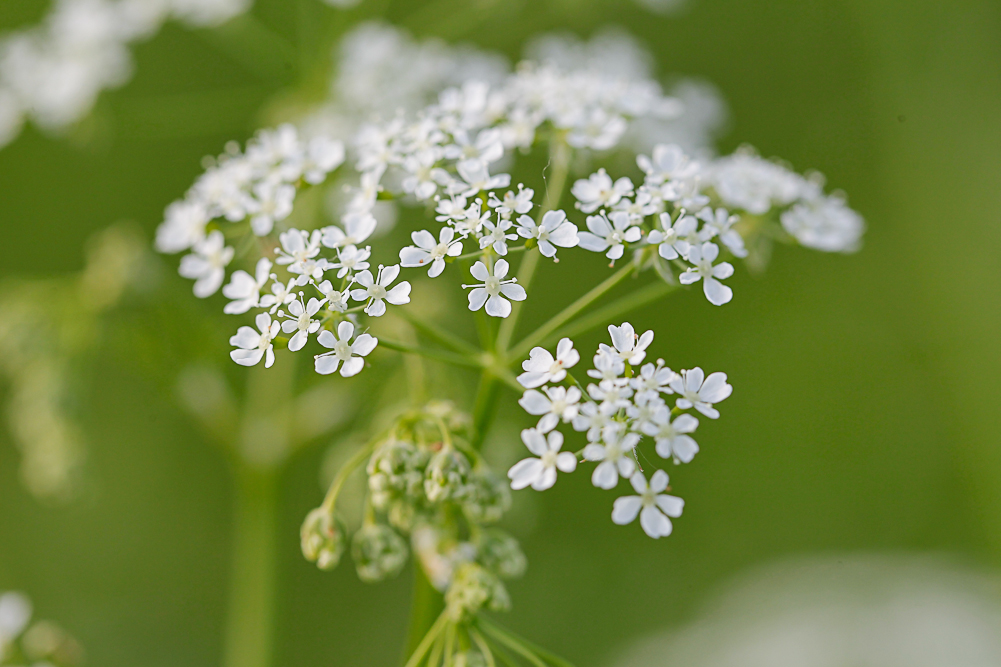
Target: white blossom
673,241
343,352
667,163
255,345
245,289
628,346
520,202
598,190
540,473
496,235
15,614
749,182
672,439
453,208
375,290
206,265
826,224
720,223
300,322
323,155
336,300
555,405
427,252
609,233
541,367
299,250
271,203
478,179
598,130
357,228
494,289
351,259
281,294
615,455
652,505
554,230
183,226
653,379
612,395
592,418
608,366
696,390
702,257
486,149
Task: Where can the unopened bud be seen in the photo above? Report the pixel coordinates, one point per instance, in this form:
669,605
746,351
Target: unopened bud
379,553
322,539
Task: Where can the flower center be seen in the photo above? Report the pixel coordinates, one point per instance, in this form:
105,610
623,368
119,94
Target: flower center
377,292
492,285
549,458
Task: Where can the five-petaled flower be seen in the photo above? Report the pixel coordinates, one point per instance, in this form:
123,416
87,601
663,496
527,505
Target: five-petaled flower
374,290
494,289
427,252
653,506
609,233
615,455
555,405
553,230
540,473
343,352
541,368
703,257
696,390
255,345
300,321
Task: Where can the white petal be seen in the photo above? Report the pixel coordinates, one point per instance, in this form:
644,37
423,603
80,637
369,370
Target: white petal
400,294
717,293
297,341
545,480
326,365
352,366
531,380
477,298
535,403
364,345
671,505
535,441
566,462
246,357
659,481
524,472
685,448
605,476
625,509
246,338
715,388
376,309
654,523
514,291
498,306
479,271
345,330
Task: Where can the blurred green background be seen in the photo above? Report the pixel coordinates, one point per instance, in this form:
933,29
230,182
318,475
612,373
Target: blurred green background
863,417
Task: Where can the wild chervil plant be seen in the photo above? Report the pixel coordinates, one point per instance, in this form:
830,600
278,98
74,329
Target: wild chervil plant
319,291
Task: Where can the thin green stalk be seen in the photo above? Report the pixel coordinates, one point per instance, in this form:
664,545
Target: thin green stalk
425,644
439,355
514,644
425,608
483,408
345,471
484,647
441,336
614,310
249,628
571,311
549,656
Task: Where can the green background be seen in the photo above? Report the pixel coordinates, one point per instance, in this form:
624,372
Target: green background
863,416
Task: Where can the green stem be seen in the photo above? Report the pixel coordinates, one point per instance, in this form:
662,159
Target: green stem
614,310
499,632
249,638
514,644
424,629
484,407
453,358
441,336
571,311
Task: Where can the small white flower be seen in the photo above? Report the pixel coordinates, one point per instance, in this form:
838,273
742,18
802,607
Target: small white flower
496,235
825,224
206,265
471,224
653,379
15,614
323,155
335,299
598,190
358,227
478,179
668,163
656,507
183,226
628,346
593,419
423,176
608,366
609,233
554,230
245,290
643,409
429,253
616,456
541,368
720,223
281,294
453,208
693,392
255,345
300,321
486,149
673,241
298,252
343,350
376,290
612,395
672,438
558,403
513,203
703,257
494,289
540,473
351,259
599,130
272,202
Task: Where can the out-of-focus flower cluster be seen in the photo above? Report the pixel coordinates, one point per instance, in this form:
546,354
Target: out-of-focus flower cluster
32,644
428,487
46,328
626,403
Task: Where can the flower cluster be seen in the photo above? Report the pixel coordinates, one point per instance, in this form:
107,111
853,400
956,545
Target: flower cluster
426,482
628,402
42,643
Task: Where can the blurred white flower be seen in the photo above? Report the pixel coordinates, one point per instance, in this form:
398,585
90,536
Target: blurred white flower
652,505
206,265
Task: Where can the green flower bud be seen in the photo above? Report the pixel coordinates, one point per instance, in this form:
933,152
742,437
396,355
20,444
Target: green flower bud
501,554
490,498
379,553
396,470
473,588
447,477
322,537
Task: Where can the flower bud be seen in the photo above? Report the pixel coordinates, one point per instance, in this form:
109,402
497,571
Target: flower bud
322,537
473,588
447,477
490,498
501,554
379,553
396,470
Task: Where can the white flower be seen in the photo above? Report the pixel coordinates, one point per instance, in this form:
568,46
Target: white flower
628,346
653,379
486,149
357,227
255,345
422,179
478,179
429,253
668,163
616,457
673,241
272,202
245,290
672,438
300,320
281,294
323,155
613,395
207,264
335,299
513,203
720,223
453,208
540,473
183,226
825,224
343,350
351,259
554,230
558,403
15,614
609,233
656,507
600,130
497,236
541,368
472,221
593,419
644,407
754,184
703,257
298,252
598,190
375,290
693,392
494,289
608,366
